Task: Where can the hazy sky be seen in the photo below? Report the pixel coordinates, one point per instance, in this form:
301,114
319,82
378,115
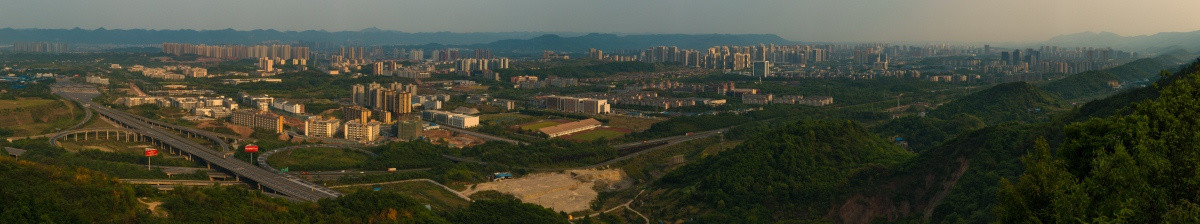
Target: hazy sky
803,20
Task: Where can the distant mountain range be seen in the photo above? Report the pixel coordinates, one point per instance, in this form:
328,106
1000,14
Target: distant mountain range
499,41
369,36
1160,42
520,41
625,42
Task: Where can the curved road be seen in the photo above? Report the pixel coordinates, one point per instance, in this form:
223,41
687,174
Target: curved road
292,187
262,159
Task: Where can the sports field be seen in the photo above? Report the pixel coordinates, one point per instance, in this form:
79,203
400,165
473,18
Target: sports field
539,125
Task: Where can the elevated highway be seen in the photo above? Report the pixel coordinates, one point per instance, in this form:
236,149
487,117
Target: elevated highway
162,136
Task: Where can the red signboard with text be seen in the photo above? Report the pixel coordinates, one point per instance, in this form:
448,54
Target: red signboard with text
251,148
151,152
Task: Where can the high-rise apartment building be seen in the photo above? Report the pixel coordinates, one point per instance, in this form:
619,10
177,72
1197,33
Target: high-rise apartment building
234,52
397,98
762,69
266,64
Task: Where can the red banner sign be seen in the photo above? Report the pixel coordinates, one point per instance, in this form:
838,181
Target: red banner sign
251,148
151,152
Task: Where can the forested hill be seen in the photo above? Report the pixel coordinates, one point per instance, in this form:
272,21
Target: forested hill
952,182
1095,84
792,173
1016,101
34,193
1118,104
1137,167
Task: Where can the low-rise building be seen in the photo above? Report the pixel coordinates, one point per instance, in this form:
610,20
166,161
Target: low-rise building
362,132
213,112
196,72
816,101
258,119
570,128
577,105
757,99
290,107
451,119
96,80
503,104
319,127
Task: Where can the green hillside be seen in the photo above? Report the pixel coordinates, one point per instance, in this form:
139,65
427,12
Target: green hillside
1095,84
1118,104
922,133
1138,167
33,116
952,182
792,173
1015,101
1133,166
35,193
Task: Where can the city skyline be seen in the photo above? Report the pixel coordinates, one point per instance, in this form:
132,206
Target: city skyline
822,21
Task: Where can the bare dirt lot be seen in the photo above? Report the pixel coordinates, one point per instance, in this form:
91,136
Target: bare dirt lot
569,191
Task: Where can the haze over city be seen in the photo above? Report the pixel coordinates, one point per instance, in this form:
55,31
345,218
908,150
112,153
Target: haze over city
599,112
807,20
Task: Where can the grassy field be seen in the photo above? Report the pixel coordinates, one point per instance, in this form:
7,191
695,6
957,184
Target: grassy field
598,133
32,116
23,103
539,125
424,192
632,123
317,159
122,152
506,118
96,123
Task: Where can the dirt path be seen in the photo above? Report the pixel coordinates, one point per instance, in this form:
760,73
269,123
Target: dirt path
626,206
153,206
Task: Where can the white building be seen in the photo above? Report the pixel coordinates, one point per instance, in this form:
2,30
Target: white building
294,108
451,119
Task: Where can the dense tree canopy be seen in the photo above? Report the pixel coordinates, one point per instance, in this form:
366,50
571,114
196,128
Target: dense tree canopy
1134,168
794,172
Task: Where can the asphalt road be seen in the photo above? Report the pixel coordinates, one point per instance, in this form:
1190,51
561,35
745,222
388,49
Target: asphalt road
290,186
